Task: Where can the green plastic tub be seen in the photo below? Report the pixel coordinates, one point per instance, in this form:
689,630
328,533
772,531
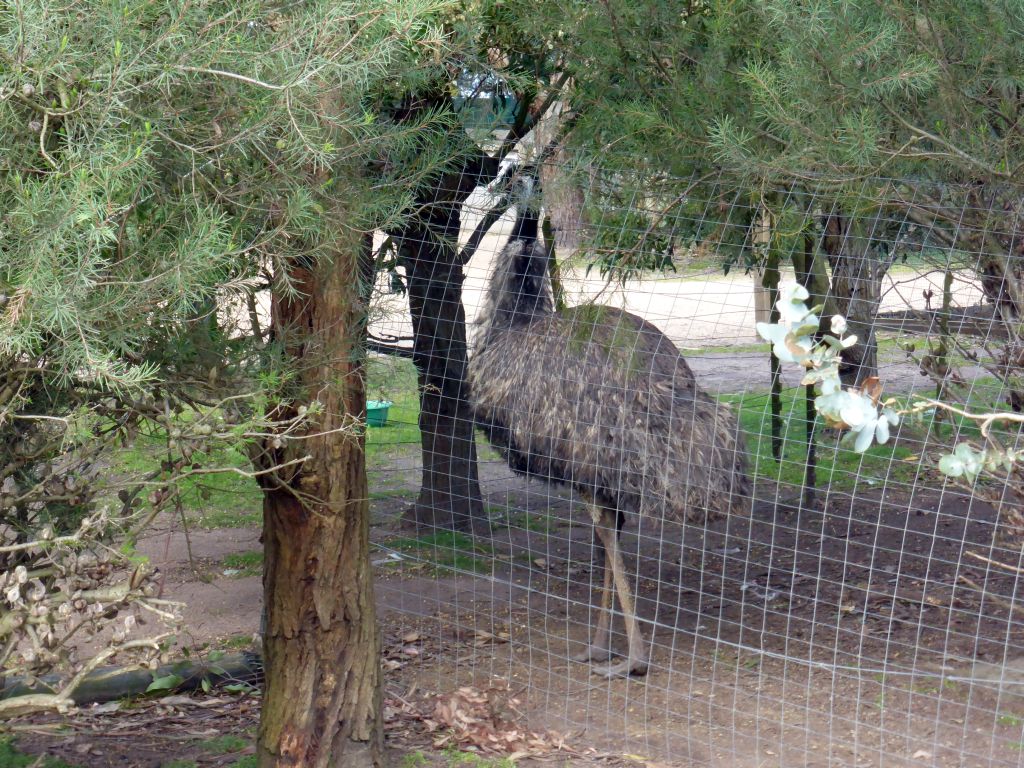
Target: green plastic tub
377,412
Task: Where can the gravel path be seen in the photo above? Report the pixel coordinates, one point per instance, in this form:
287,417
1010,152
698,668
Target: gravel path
704,313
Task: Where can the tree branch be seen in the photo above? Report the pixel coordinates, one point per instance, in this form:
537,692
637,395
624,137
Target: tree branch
389,349
484,225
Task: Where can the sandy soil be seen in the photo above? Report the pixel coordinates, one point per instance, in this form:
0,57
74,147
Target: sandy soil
695,308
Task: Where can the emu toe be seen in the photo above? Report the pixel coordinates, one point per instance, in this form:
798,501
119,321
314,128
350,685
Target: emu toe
624,668
592,653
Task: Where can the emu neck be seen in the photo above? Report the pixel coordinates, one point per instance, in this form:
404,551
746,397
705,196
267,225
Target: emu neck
519,291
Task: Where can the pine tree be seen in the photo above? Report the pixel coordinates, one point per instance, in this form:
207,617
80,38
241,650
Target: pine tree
853,122
160,164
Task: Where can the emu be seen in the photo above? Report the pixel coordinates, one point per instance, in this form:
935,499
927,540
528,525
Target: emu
598,399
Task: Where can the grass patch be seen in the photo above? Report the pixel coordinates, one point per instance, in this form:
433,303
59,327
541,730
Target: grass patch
403,492
890,349
394,379
838,467
225,745
224,500
246,563
724,349
541,522
447,551
237,643
457,759
1009,720
230,518
221,500
415,759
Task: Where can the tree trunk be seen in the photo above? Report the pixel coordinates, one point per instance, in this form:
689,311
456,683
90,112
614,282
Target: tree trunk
563,201
1001,268
856,288
450,495
321,701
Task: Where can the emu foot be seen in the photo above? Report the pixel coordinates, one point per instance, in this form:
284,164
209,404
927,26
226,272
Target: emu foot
624,668
592,653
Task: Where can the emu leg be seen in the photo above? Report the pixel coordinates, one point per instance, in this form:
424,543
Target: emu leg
600,648
637,660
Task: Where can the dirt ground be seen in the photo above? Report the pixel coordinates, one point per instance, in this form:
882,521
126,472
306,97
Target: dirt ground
841,634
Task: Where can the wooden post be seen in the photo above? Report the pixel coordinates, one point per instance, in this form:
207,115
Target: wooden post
766,293
764,300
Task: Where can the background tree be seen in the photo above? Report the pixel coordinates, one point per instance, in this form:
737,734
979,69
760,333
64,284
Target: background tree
912,114
855,121
516,68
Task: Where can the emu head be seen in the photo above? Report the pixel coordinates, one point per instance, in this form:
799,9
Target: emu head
519,290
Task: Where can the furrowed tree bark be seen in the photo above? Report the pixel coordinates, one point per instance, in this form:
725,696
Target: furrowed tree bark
563,202
857,272
321,701
449,495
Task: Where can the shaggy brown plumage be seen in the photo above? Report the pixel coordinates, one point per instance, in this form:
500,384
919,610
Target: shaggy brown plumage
599,399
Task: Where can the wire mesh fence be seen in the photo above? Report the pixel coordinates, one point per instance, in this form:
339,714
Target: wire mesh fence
841,607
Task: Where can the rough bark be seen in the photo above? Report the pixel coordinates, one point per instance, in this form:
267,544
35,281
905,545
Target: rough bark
563,201
321,701
449,495
856,290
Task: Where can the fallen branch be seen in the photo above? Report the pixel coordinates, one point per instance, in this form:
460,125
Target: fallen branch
22,694
1006,566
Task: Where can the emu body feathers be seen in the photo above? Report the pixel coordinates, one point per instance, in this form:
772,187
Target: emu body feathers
601,400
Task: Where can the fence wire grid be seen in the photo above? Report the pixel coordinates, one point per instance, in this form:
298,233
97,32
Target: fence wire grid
865,612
